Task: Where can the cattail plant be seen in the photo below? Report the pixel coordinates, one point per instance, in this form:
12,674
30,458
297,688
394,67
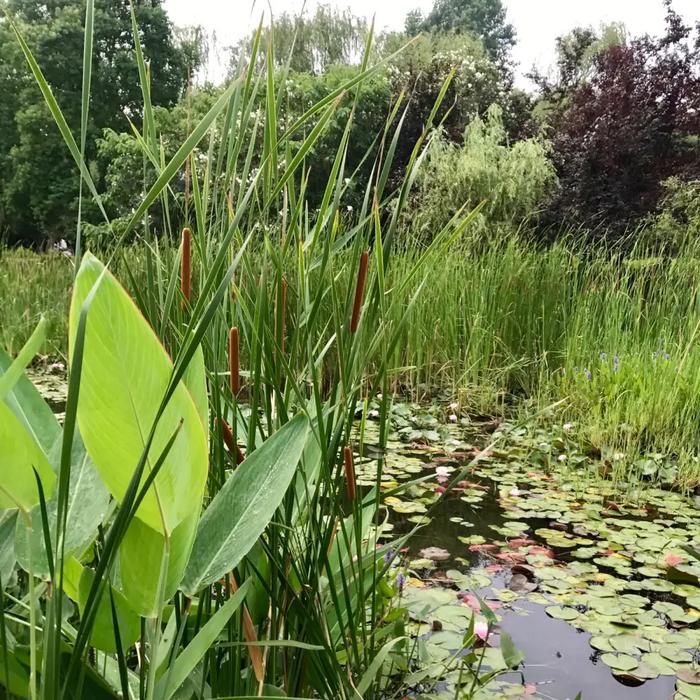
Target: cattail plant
359,291
230,442
186,267
282,312
234,362
349,473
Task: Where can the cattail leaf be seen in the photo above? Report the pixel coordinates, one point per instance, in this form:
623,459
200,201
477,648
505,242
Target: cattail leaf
200,645
125,374
245,505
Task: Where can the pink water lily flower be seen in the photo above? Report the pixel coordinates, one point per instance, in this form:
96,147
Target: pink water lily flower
481,629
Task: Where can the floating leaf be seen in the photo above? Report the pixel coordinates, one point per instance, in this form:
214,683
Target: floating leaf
620,662
560,613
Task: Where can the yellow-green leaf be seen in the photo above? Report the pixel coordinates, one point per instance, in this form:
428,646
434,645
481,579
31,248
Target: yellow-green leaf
125,374
19,457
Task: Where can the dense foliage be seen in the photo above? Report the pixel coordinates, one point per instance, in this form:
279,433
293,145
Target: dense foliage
38,198
634,122
615,117
512,180
311,43
485,19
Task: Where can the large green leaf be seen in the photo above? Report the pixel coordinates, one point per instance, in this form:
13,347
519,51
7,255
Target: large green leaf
17,681
242,509
7,545
102,635
88,502
195,379
141,560
30,408
11,374
125,375
19,457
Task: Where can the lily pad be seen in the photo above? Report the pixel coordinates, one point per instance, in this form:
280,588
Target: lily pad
620,662
561,613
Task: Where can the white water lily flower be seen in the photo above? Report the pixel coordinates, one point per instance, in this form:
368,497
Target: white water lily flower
567,427
562,458
453,418
442,471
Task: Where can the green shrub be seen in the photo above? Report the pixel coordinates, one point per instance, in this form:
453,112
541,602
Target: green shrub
676,224
512,179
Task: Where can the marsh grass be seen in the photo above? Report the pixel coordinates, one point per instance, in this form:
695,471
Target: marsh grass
498,323
33,285
317,323
327,317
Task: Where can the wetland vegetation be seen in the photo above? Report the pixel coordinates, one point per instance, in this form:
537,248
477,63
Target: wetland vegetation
317,400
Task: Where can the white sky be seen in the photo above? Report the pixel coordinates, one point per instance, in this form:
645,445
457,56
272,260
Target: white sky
537,22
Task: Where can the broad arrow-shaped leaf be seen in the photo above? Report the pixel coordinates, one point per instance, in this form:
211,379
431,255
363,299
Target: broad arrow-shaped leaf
245,505
88,503
19,457
125,374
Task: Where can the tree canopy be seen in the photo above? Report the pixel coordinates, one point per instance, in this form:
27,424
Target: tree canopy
483,18
312,42
37,197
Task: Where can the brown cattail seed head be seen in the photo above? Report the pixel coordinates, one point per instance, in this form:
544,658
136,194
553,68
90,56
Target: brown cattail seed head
233,447
186,266
359,291
349,473
227,435
234,361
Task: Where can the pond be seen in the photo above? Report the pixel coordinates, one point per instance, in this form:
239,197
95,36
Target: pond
594,587
592,583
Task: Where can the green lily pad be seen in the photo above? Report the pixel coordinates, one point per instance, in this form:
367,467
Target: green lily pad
675,654
620,662
561,613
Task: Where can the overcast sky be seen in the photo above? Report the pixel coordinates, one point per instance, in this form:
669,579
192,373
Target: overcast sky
537,22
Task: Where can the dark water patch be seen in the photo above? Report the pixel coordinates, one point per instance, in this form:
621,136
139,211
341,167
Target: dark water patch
559,661
592,586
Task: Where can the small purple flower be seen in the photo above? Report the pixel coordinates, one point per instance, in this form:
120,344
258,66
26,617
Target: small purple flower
400,581
588,374
666,356
616,364
603,356
388,556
